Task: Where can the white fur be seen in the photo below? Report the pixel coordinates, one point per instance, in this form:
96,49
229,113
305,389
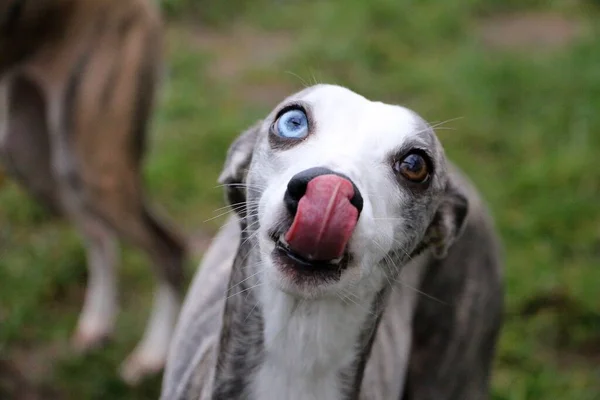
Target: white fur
353,136
307,343
310,332
151,352
97,318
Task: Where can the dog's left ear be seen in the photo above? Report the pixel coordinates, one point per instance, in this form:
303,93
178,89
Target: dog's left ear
235,169
448,222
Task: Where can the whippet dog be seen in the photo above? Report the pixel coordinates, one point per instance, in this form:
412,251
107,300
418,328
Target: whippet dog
360,264
77,82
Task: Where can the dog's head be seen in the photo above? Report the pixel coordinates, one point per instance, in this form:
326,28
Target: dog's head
340,192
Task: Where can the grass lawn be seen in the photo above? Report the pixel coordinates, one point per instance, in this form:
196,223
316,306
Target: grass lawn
516,86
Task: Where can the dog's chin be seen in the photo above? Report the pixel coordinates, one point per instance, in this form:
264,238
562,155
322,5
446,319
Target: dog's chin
300,276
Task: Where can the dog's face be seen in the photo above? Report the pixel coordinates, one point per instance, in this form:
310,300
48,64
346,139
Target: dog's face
341,191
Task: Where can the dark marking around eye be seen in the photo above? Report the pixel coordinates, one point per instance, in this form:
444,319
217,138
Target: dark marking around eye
291,126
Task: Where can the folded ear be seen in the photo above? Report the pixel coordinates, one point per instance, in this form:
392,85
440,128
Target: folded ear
235,169
448,222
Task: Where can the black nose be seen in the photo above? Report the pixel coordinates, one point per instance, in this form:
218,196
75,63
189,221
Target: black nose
297,188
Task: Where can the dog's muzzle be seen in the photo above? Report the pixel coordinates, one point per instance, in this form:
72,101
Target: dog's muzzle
325,206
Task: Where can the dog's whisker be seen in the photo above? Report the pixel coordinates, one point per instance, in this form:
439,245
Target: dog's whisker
302,81
390,278
401,282
260,268
444,128
238,205
435,125
251,310
238,208
252,235
245,290
245,280
219,216
421,292
438,126
242,185
347,295
401,248
249,229
386,257
314,78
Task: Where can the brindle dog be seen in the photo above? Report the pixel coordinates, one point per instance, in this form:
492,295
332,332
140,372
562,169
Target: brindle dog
77,86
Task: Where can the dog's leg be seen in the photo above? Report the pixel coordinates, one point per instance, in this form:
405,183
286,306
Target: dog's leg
97,319
24,145
167,254
25,150
4,92
99,119
46,167
151,353
120,204
3,120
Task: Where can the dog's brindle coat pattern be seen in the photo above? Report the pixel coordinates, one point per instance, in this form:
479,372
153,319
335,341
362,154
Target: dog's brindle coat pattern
77,83
431,336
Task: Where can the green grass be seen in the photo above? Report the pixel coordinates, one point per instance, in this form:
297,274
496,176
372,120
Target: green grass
528,134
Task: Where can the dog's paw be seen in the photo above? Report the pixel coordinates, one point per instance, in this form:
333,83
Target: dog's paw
141,364
90,337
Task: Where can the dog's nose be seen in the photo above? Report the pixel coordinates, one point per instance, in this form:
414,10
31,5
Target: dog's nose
296,188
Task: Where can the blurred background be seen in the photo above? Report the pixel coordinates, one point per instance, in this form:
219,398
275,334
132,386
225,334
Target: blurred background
515,85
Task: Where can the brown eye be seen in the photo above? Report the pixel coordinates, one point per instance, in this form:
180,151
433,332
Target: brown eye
413,167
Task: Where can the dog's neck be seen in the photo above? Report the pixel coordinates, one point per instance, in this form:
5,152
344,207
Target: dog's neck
273,345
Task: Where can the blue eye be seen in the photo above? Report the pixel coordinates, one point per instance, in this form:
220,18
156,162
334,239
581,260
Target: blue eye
292,124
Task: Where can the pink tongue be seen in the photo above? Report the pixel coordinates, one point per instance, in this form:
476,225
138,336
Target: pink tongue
325,219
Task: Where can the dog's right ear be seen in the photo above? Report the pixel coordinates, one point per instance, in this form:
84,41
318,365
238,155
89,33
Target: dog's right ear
235,169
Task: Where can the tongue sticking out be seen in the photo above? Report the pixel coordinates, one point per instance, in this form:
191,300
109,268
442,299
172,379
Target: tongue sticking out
325,219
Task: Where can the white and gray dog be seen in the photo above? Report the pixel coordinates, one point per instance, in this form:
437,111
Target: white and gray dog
360,265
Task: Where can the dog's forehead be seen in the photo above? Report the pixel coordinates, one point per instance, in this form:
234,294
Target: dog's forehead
336,109
333,98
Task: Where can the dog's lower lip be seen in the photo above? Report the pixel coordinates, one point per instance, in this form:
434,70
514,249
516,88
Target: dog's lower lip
283,245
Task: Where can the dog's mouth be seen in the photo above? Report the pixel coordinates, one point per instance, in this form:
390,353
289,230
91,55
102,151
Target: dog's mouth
315,243
301,267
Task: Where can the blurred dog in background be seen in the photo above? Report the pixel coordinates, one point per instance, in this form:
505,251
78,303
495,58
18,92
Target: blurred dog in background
77,83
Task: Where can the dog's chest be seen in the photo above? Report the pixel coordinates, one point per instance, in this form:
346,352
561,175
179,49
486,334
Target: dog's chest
306,348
